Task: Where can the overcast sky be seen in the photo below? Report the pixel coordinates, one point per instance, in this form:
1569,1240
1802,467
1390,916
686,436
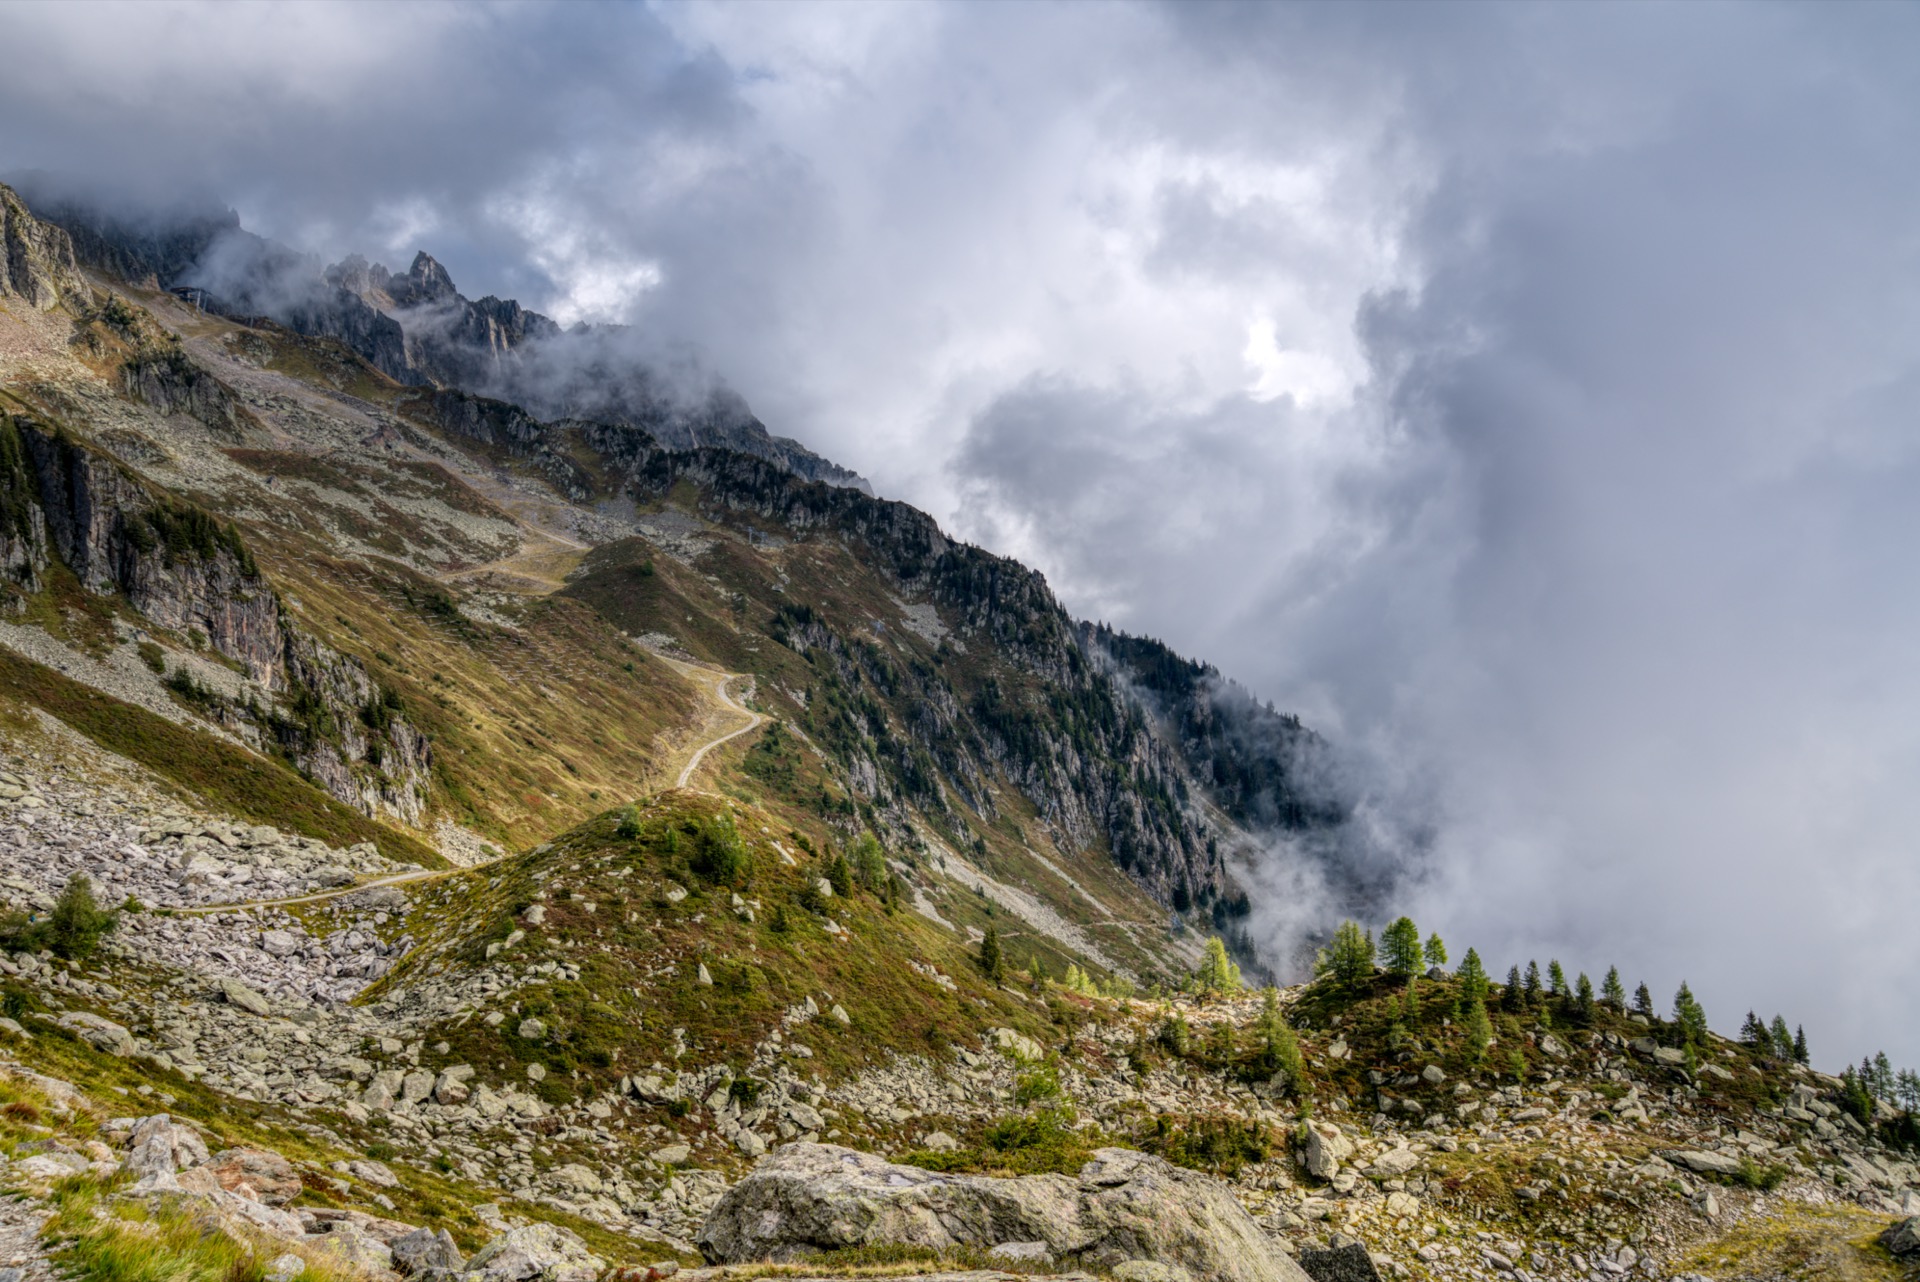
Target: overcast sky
1527,395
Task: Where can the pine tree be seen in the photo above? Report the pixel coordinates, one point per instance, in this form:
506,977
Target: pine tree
1882,1076
1583,997
1436,950
1279,1048
992,964
1533,983
1643,1001
1410,1004
1782,1038
1907,1088
1753,1032
1400,947
1557,979
1473,979
1479,1031
1513,996
1217,974
77,923
1348,957
1688,1015
1800,1055
1220,1044
1612,992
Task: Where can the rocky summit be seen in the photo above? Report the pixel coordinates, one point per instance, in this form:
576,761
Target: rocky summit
454,832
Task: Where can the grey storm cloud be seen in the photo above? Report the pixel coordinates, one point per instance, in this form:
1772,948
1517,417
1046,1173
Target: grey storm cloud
1524,394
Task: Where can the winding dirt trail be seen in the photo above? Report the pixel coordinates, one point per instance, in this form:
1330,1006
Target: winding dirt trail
709,680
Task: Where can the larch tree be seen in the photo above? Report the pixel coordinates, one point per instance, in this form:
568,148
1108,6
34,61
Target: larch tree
1400,947
1217,975
1612,992
1348,957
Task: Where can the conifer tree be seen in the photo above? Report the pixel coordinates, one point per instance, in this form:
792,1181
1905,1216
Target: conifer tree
1479,1031
1754,1033
1473,979
1782,1038
1533,983
992,964
1800,1055
1583,997
1400,946
1556,979
1612,992
1348,957
1279,1048
1689,1016
1436,950
1513,996
1217,974
1410,1004
1643,1001
1906,1087
1882,1076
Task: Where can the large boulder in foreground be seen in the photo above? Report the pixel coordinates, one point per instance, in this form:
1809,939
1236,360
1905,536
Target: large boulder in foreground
1123,1205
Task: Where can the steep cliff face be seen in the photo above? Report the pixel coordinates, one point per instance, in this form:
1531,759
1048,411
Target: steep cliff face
1010,694
193,577
23,526
36,258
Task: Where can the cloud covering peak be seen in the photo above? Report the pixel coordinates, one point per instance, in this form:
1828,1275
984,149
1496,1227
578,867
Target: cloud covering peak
1522,394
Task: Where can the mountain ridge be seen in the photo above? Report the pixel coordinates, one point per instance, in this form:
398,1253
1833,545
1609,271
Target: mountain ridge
547,1017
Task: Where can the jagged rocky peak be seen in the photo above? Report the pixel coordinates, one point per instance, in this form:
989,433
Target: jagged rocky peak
425,282
364,280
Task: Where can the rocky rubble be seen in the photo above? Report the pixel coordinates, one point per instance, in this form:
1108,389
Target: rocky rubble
247,1192
136,843
1124,1206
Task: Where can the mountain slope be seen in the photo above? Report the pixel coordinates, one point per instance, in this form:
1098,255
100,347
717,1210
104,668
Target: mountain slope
457,891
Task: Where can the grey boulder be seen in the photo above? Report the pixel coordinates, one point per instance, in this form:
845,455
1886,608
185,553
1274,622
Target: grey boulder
1122,1206
1703,1163
425,1251
1349,1263
543,1251
1903,1238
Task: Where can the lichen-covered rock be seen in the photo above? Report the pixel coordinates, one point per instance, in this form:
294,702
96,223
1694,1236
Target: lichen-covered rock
424,1251
542,1251
1903,1238
1123,1206
159,1146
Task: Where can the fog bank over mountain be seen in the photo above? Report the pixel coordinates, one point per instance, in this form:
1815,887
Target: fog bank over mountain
1521,396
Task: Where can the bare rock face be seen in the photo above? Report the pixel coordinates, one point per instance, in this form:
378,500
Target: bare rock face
36,258
1122,1206
266,1177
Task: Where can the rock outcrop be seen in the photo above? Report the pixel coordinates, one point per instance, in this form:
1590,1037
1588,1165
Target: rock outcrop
36,258
1123,1206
